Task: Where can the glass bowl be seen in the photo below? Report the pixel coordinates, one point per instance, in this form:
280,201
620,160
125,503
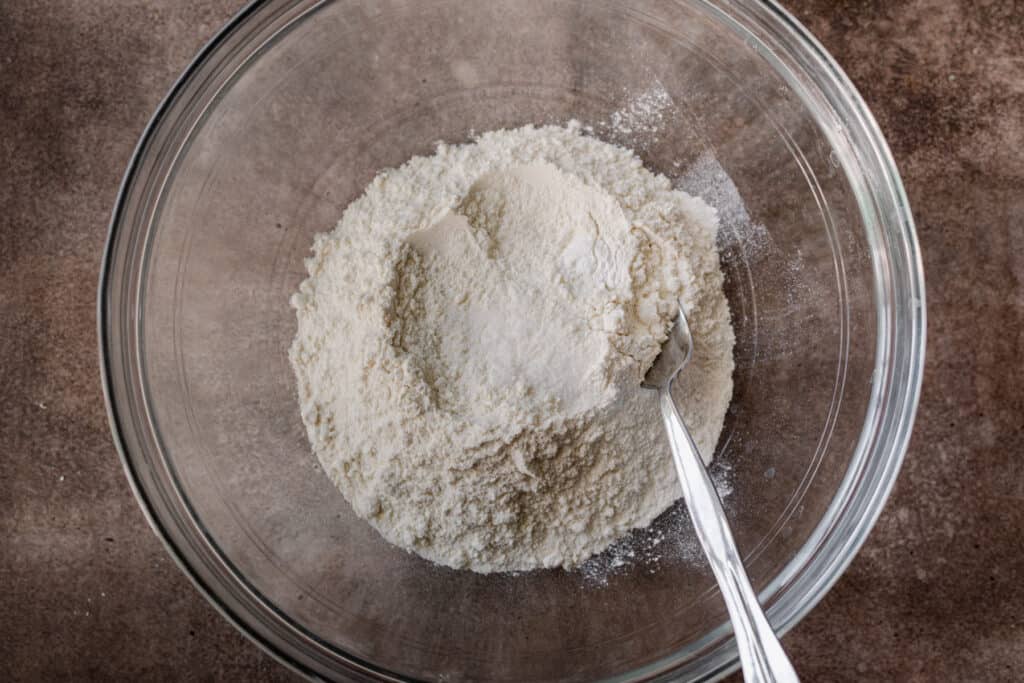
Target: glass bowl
283,119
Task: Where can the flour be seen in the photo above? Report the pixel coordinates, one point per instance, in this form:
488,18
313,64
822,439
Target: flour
644,115
471,340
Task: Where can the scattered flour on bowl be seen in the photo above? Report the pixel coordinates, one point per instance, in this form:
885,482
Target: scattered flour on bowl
471,339
644,115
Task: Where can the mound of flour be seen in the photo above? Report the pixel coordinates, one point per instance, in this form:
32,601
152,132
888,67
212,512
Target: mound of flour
471,339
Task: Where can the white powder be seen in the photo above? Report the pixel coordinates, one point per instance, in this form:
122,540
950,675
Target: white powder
644,115
471,340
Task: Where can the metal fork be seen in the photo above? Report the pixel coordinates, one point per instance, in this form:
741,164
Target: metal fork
761,654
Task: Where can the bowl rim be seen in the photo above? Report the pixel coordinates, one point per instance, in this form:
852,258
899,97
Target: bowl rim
892,420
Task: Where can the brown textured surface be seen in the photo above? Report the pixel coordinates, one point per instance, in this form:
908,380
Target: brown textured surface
88,592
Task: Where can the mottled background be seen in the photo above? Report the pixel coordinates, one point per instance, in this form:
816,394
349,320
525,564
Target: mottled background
86,590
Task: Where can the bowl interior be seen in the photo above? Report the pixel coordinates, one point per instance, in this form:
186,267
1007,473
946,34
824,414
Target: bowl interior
305,103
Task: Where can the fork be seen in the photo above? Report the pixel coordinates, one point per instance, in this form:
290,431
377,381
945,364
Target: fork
761,654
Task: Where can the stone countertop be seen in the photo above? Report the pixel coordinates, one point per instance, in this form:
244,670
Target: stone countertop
937,593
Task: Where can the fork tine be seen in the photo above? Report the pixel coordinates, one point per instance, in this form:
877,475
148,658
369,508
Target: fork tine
675,354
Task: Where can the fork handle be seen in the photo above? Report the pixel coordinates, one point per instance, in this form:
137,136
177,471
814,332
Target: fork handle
761,654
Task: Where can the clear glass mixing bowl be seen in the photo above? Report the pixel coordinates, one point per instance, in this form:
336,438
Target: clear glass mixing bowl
281,121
